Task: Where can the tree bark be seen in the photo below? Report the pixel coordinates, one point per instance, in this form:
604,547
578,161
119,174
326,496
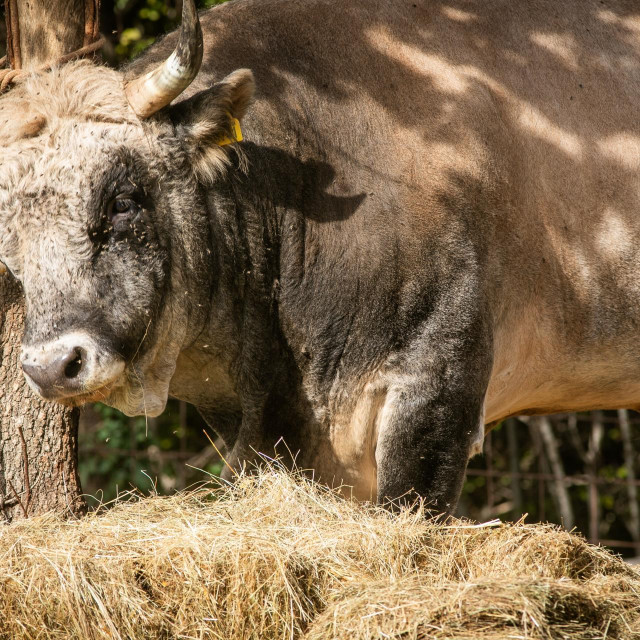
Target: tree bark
49,30
38,439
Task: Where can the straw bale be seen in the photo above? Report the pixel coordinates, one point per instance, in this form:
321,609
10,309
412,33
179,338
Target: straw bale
276,556
413,608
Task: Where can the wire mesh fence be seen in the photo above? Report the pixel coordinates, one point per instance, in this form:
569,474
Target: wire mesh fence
578,470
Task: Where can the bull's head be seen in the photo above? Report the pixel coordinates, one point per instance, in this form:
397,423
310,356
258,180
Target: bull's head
102,219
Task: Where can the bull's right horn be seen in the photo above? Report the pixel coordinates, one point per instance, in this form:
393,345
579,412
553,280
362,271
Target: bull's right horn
159,87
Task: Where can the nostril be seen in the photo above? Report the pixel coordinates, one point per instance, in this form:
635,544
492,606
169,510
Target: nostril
74,366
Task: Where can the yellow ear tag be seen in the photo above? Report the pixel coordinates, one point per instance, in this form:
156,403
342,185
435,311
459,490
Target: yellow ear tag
235,131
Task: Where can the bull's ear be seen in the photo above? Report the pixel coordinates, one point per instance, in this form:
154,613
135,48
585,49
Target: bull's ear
205,122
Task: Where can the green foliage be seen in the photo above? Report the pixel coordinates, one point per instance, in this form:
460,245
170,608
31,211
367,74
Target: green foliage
118,453
140,22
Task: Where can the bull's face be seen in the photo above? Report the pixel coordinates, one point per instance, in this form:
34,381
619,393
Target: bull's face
102,221
85,229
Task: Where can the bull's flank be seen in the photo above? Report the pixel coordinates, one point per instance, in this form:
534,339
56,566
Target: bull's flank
278,557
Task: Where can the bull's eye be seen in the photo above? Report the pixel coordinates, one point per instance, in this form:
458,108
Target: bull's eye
122,212
122,206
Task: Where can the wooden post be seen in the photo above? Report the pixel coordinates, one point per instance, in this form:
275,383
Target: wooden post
558,486
514,467
593,461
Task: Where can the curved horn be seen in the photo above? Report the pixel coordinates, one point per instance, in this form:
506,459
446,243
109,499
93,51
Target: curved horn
159,87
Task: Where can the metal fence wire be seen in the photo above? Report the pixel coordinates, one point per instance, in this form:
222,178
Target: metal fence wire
578,470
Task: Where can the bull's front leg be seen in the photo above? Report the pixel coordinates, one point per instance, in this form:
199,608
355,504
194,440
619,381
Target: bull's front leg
432,416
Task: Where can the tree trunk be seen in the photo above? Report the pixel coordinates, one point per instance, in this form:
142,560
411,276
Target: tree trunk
38,439
49,30
558,486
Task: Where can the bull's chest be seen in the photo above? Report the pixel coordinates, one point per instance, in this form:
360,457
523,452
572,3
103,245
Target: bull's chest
205,382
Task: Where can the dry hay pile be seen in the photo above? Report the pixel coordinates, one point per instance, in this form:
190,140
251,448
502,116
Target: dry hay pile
276,557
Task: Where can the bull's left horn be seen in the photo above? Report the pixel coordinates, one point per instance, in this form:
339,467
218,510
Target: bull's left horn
159,87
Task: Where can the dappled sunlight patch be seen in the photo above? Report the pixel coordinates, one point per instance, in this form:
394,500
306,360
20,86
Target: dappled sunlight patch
623,149
446,77
539,126
459,15
562,46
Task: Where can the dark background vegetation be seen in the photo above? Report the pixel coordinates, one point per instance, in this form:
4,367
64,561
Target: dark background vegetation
130,26
570,469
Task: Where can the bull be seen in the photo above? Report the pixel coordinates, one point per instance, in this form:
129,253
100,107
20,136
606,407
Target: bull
432,223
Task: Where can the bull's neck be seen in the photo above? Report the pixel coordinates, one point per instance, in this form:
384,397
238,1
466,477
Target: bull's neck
241,339
244,219
245,229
